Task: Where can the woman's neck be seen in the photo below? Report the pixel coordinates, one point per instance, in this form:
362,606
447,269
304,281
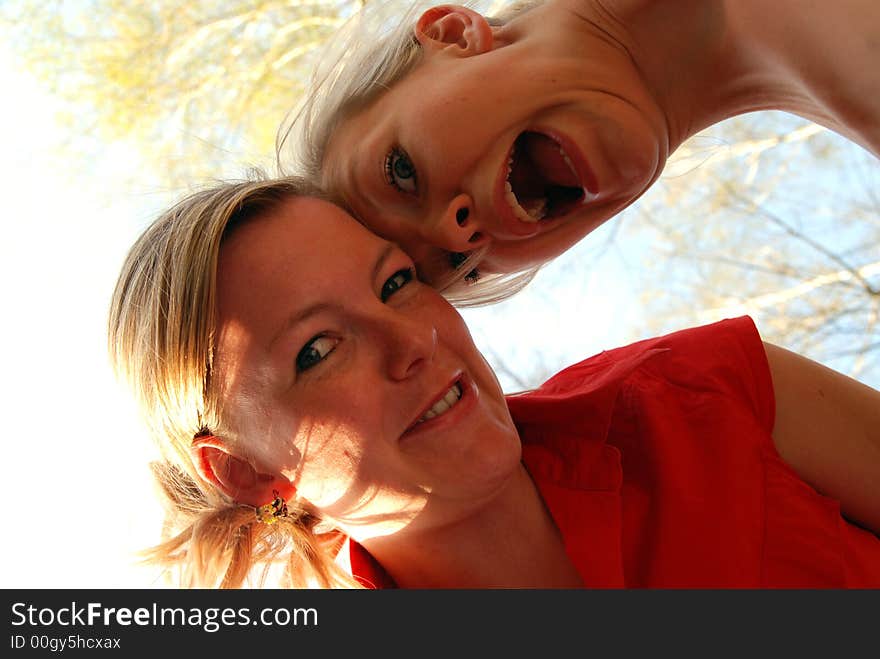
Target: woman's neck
709,60
510,542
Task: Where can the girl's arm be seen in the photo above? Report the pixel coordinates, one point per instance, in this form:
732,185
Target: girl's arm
828,430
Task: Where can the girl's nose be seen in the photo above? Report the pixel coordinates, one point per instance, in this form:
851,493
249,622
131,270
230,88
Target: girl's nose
458,229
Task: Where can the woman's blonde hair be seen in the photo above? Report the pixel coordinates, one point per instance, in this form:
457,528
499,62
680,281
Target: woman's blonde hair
161,341
372,51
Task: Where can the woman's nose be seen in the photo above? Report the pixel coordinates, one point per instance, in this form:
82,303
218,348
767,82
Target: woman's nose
458,229
411,344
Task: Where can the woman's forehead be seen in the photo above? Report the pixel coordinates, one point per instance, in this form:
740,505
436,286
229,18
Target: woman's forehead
307,222
289,250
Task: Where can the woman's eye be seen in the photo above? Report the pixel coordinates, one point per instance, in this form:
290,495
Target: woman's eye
395,282
315,351
400,171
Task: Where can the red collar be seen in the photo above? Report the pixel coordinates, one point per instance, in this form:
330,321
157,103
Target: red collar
358,562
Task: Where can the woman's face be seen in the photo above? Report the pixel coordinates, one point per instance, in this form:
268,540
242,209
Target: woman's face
526,147
352,379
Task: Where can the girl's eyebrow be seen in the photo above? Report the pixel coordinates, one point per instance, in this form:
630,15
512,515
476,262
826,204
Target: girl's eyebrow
356,181
353,183
344,183
313,309
364,173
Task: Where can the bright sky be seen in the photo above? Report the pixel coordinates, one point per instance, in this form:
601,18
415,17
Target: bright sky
74,474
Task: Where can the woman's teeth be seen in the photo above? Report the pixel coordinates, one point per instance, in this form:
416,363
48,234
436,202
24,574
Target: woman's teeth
449,399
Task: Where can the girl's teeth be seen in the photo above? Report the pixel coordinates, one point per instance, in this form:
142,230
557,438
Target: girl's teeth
538,206
567,161
587,195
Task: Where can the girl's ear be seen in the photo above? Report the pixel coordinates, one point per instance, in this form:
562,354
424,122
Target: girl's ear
234,476
455,29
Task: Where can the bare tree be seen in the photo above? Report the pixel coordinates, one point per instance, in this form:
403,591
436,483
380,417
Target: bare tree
788,230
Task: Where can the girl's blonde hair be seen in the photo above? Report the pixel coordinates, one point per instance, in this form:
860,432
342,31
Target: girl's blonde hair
372,51
161,340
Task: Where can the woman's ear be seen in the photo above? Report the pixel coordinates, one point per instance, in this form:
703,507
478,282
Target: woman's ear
235,476
455,29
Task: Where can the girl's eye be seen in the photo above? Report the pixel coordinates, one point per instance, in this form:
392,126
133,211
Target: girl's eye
315,351
395,282
456,259
400,171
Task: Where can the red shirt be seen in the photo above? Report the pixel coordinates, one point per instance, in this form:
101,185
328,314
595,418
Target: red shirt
657,463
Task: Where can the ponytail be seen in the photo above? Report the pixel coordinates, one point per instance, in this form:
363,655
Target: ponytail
212,542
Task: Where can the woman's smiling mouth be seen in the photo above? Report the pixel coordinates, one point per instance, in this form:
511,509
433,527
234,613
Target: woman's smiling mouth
449,399
439,412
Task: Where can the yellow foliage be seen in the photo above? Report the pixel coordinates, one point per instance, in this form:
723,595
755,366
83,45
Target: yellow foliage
190,82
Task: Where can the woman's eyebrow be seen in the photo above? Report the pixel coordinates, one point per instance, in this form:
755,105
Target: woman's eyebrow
297,317
387,249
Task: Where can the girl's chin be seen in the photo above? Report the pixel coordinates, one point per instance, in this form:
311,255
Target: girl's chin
521,255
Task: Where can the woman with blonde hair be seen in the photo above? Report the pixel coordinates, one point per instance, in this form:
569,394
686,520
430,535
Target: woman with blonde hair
316,404
509,139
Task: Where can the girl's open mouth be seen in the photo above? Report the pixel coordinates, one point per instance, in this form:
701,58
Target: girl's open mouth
542,181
